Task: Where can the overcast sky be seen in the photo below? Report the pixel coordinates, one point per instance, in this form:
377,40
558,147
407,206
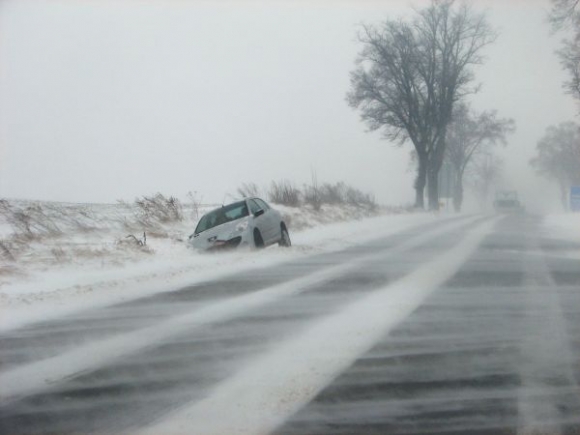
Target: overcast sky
105,100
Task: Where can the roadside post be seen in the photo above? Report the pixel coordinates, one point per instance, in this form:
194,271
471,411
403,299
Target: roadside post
446,184
575,198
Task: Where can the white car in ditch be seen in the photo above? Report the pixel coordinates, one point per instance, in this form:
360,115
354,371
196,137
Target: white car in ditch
250,222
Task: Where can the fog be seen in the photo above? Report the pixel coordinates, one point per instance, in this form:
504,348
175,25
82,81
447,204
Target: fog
107,100
400,324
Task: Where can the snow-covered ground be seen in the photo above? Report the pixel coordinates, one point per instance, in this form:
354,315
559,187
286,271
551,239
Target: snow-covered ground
563,226
274,368
81,257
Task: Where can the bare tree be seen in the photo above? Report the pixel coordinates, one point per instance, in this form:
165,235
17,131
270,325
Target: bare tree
565,16
564,13
410,74
570,60
468,135
484,171
558,156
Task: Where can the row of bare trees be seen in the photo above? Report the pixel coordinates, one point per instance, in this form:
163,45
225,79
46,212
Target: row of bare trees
565,18
409,81
558,151
469,141
558,157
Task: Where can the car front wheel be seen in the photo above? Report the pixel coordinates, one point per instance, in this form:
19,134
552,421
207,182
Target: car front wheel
258,241
285,239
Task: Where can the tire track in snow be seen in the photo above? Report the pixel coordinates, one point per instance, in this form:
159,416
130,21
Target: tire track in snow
266,392
48,373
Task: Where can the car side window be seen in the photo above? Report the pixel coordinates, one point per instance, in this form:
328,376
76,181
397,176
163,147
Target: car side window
254,207
262,204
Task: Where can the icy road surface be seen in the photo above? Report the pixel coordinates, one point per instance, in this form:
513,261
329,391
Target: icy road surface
471,327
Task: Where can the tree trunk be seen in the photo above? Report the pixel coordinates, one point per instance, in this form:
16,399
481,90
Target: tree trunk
434,163
420,182
433,190
458,195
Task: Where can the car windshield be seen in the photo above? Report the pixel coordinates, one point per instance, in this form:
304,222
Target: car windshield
222,215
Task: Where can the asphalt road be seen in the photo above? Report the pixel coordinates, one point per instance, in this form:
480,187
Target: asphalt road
494,348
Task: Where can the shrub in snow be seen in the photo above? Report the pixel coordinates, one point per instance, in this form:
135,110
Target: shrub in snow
285,193
72,217
59,254
333,193
315,195
247,190
159,208
312,197
29,221
195,201
358,198
151,213
132,243
140,242
5,252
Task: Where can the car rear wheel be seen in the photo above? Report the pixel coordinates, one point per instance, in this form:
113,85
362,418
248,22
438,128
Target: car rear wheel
285,238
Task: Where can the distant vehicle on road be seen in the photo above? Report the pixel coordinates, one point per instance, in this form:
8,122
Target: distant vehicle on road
249,222
506,201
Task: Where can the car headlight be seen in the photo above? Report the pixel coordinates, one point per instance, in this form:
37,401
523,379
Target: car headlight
241,227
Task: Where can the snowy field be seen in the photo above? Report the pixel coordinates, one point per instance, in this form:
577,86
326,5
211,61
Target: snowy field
75,256
564,226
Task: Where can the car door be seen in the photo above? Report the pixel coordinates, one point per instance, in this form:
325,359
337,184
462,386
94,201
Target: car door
260,222
272,228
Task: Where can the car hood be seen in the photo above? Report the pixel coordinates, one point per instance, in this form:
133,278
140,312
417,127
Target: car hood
206,239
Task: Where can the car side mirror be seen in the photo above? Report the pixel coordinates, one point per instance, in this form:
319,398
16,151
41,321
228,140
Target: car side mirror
259,213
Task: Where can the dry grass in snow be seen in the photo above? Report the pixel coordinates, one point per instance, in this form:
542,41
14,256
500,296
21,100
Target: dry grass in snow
78,248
